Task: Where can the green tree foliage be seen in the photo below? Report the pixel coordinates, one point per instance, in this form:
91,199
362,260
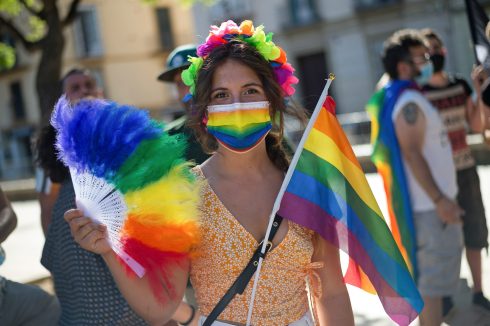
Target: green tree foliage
7,56
37,26
28,13
25,13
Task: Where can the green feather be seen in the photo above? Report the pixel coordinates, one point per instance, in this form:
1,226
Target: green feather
150,161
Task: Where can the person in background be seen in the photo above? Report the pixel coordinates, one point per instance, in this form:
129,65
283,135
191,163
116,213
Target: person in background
76,84
84,286
481,82
176,63
424,154
451,95
22,304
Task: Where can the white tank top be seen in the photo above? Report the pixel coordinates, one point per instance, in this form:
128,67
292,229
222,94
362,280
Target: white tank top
436,150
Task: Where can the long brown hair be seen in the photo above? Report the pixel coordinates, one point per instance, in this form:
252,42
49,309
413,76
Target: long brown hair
249,56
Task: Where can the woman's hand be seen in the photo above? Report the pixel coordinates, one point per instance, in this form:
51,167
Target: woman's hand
89,234
93,236
478,76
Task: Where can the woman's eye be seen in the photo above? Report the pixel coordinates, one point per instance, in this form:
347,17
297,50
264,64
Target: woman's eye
251,91
219,95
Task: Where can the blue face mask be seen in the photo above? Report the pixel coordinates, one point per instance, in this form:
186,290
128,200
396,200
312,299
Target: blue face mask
425,74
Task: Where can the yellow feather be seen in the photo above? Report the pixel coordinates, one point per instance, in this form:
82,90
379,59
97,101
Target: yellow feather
172,200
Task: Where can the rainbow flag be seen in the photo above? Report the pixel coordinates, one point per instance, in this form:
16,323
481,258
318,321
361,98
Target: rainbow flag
329,194
388,160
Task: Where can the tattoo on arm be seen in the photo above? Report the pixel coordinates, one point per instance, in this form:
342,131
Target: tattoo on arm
410,113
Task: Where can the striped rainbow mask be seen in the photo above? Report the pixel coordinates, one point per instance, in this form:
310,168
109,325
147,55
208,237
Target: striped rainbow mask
239,126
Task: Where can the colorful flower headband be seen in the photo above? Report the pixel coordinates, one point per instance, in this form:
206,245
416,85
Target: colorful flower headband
254,36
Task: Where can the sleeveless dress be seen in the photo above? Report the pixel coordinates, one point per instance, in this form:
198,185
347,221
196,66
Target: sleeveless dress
225,249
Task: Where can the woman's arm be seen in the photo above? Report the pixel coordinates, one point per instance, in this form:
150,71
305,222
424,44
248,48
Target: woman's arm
186,315
92,236
481,84
334,307
474,114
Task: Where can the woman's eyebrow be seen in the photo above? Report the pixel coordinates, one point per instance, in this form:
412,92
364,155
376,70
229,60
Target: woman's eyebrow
218,89
252,84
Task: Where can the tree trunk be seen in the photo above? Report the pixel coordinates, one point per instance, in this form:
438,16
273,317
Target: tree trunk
48,76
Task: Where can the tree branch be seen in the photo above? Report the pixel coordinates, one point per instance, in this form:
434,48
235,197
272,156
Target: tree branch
31,10
72,13
16,33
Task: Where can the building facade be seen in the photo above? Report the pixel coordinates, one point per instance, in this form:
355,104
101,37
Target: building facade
125,44
346,38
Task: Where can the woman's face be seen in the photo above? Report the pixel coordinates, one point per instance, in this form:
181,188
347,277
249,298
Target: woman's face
235,82
235,128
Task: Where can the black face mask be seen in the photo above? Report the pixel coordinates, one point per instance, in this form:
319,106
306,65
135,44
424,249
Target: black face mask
437,61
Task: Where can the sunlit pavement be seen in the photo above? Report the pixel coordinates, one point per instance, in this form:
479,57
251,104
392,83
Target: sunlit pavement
24,249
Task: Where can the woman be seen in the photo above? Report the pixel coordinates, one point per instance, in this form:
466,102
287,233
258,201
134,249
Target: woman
238,75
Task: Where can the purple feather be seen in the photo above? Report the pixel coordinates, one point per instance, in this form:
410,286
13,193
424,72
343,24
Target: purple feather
282,74
98,135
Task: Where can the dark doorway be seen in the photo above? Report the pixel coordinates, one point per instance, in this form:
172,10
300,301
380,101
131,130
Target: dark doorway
312,70
17,101
165,28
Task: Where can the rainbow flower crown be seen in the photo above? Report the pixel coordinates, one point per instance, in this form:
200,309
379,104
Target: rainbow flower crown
256,37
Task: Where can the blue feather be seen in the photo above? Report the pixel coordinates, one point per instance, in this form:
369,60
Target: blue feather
98,135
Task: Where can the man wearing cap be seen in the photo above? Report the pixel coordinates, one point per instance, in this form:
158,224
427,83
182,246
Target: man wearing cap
176,62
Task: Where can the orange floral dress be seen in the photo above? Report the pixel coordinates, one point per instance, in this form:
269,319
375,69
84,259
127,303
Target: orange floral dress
225,249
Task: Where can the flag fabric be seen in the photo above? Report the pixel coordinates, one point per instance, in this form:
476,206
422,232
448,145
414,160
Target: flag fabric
478,20
387,158
329,194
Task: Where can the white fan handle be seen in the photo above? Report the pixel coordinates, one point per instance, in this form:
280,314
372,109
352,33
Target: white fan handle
91,210
133,264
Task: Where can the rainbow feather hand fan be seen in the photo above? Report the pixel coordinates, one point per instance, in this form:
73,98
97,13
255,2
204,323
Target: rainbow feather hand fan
130,175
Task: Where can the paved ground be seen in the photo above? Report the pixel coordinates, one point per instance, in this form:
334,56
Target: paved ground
25,245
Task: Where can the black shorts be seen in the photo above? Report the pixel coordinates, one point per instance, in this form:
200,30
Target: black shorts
469,198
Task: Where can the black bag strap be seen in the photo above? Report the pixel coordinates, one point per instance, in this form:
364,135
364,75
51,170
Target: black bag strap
242,280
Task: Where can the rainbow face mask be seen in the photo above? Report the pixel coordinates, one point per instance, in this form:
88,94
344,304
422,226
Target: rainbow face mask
239,126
